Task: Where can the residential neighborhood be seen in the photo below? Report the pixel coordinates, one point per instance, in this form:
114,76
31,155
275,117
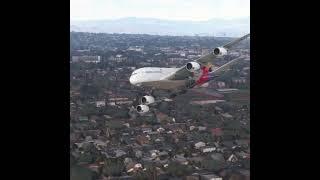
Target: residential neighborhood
203,134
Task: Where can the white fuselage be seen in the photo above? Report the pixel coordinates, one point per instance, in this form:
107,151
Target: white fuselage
150,74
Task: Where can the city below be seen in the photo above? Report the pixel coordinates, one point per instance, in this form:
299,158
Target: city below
201,135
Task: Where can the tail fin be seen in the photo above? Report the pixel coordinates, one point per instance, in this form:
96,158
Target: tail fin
204,75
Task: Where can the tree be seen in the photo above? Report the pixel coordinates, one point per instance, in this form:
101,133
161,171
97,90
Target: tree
89,109
72,160
179,170
114,124
81,173
121,113
149,174
213,165
86,158
246,163
113,167
233,125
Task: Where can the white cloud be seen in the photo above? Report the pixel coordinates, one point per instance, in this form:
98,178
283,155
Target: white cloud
163,9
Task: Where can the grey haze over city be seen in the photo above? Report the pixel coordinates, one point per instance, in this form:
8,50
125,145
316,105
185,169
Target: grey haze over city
131,25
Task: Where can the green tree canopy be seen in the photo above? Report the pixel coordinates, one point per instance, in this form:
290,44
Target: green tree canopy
179,170
81,173
113,167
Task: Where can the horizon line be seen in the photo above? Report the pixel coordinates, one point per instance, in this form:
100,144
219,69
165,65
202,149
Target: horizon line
127,17
196,34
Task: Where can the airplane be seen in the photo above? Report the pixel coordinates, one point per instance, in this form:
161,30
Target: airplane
179,80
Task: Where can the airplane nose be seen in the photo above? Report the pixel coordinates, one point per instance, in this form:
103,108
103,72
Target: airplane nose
132,80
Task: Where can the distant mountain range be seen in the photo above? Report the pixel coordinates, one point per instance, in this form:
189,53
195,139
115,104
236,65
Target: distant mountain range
132,25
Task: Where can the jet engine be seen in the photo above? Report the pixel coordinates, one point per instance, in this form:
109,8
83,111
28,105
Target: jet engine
220,51
147,100
193,66
142,108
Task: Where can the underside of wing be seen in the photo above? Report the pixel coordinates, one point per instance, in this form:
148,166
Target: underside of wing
207,92
165,84
227,65
207,58
181,74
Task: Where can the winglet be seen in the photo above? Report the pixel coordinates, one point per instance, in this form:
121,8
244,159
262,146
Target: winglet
236,41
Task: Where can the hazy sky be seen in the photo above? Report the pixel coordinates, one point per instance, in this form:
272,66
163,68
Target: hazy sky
161,9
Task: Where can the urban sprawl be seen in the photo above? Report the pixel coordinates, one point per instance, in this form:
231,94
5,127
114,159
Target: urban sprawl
203,134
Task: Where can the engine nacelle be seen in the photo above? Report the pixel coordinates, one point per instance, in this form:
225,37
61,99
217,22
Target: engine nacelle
193,66
142,109
147,100
220,51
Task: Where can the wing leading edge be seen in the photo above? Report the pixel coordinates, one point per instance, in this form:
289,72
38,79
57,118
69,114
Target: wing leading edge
183,73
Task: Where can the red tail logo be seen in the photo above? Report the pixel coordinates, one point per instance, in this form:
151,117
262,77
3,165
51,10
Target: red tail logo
204,75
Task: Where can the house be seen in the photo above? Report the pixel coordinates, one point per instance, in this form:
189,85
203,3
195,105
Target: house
218,157
200,144
119,178
226,115
176,127
243,155
216,132
129,166
228,143
154,153
138,154
210,177
192,128
88,139
100,104
181,159
94,167
197,159
107,116
239,80
74,136
202,128
113,101
118,58
100,144
158,140
146,130
245,173
135,168
142,140
119,153
208,149
220,84
127,125
160,130
163,153
192,177
86,59
93,118
218,109
232,158
161,117
93,133
83,118
242,142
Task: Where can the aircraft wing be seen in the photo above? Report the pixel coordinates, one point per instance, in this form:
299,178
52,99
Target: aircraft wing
211,56
183,73
230,44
